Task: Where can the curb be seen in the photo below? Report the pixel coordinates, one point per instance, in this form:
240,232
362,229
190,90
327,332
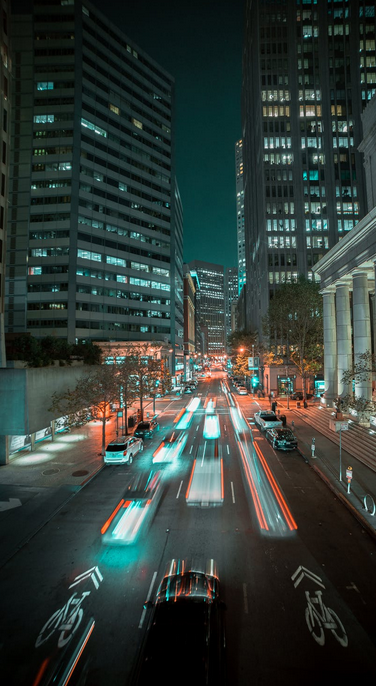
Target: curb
354,511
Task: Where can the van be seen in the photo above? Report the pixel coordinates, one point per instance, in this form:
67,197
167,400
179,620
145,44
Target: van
123,449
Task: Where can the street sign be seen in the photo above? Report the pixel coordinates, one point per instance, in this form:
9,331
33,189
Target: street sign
349,473
253,362
336,425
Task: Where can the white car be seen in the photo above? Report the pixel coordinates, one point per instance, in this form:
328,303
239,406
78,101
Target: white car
242,390
267,420
123,449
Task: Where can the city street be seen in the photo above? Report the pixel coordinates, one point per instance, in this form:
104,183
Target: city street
296,570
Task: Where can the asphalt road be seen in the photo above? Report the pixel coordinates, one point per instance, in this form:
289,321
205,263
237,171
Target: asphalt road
287,551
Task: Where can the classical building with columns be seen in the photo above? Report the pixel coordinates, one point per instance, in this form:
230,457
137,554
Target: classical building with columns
347,274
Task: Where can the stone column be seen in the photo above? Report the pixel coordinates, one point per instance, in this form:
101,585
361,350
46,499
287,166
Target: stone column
330,347
362,330
343,330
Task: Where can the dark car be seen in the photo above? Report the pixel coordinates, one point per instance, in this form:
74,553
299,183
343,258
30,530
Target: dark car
146,429
282,439
297,395
185,635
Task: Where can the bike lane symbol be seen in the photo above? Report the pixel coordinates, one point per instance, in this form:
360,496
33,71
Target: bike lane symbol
317,615
67,619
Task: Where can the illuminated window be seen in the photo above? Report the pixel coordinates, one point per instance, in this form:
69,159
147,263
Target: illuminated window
45,85
137,123
114,109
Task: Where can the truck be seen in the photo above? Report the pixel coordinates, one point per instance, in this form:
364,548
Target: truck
265,419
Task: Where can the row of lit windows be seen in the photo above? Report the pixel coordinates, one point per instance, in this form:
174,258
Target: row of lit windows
51,118
277,142
281,241
97,326
94,207
280,208
283,277
286,225
277,158
120,231
316,225
276,111
317,242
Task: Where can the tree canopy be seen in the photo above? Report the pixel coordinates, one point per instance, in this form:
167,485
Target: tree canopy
294,323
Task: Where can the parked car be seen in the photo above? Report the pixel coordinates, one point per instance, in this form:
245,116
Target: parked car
282,439
146,429
265,419
123,449
185,635
134,513
242,390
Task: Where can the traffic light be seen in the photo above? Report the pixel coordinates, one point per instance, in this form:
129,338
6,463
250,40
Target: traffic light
255,381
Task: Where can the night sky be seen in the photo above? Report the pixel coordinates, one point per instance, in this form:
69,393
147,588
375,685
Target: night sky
199,43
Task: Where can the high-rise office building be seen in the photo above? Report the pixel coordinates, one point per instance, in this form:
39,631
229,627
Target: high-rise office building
95,230
309,69
210,310
5,79
240,214
231,291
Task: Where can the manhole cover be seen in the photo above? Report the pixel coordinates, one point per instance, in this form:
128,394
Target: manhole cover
80,472
49,472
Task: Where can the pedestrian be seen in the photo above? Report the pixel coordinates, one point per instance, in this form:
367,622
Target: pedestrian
293,425
270,397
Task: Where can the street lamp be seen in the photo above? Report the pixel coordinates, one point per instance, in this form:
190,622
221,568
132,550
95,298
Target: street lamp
242,350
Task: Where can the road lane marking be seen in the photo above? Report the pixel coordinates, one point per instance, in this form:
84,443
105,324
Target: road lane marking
228,450
232,491
245,598
147,599
191,449
181,483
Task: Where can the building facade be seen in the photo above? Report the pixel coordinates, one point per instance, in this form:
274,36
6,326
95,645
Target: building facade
95,230
240,214
309,70
231,293
210,311
5,119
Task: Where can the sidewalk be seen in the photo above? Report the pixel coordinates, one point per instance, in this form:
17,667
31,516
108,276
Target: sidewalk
312,422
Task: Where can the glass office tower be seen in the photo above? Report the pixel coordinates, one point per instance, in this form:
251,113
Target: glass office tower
95,220
309,69
210,310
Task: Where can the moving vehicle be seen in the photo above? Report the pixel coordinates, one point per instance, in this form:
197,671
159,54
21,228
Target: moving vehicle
123,449
265,419
282,439
134,513
185,635
242,390
146,429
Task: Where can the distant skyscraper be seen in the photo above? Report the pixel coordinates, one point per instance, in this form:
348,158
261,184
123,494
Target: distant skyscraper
211,304
231,295
95,220
240,214
309,69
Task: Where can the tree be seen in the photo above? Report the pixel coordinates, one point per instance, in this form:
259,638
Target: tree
127,384
240,367
362,370
294,320
241,339
146,371
91,399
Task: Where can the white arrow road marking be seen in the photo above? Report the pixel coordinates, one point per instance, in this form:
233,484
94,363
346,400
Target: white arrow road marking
93,574
12,502
302,572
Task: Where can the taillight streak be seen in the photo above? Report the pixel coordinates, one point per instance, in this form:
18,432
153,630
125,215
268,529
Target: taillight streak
111,517
276,490
255,496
